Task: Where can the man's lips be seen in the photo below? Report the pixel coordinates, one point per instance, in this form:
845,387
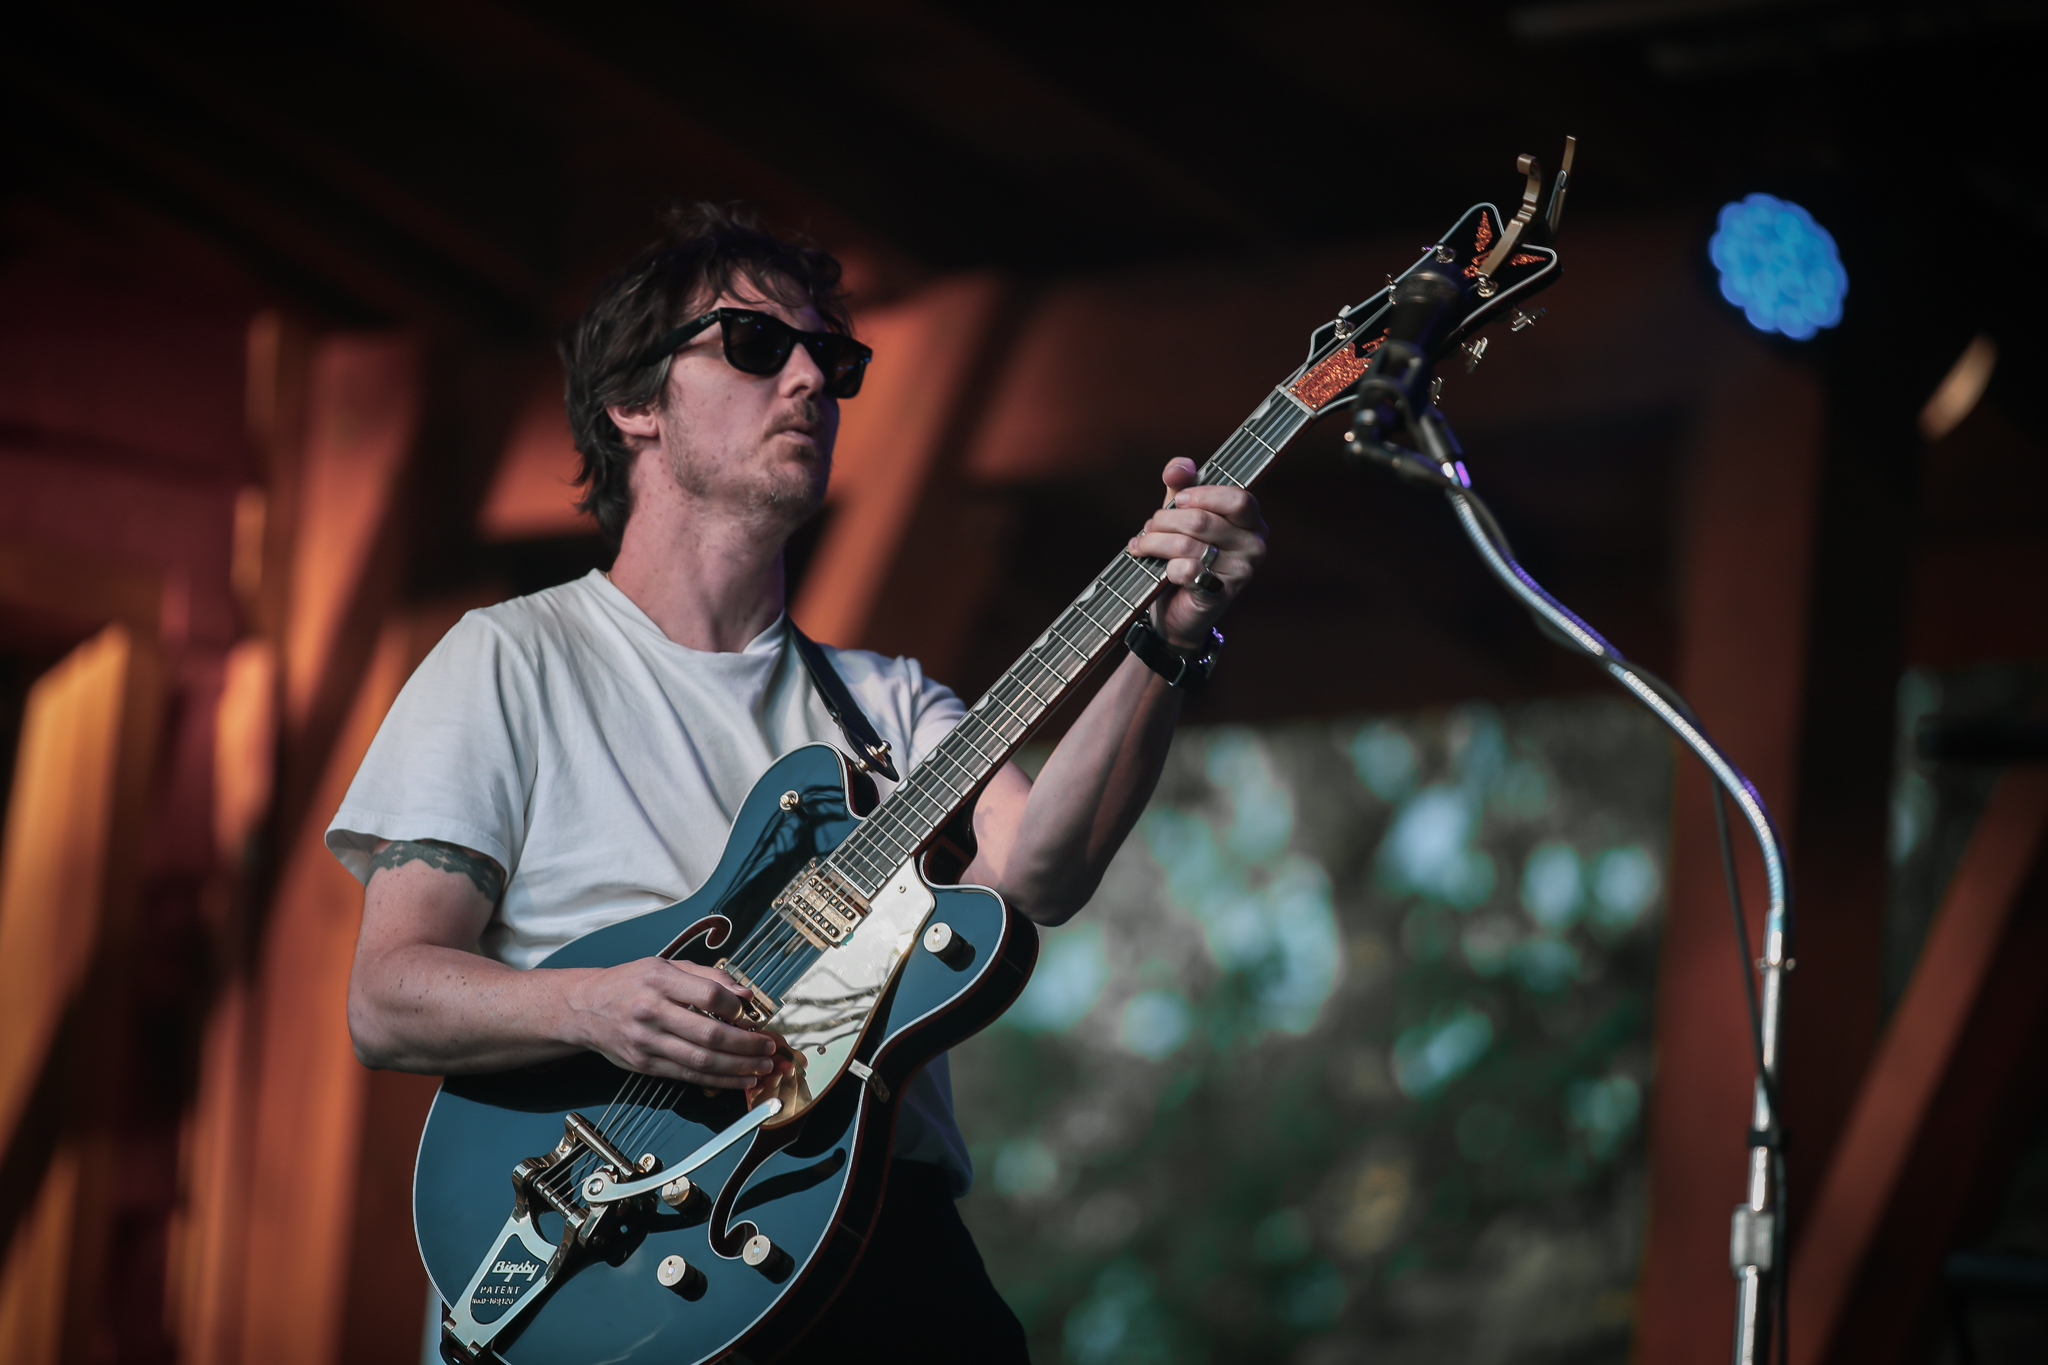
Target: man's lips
809,432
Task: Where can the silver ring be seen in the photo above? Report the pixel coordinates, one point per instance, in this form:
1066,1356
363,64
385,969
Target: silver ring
1208,561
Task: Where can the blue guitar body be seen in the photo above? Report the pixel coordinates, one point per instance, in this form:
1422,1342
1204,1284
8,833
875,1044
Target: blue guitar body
813,1186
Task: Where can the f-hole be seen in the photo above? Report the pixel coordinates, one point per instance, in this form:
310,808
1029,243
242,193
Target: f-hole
730,1241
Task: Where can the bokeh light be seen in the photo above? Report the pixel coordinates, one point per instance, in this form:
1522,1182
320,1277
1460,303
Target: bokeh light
1778,266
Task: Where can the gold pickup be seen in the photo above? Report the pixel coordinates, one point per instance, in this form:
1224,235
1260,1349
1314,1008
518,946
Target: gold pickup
821,907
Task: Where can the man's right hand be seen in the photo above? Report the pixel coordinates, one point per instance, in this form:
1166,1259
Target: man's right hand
421,998
669,1019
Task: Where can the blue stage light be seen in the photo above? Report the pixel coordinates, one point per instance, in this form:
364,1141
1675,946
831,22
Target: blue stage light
1779,266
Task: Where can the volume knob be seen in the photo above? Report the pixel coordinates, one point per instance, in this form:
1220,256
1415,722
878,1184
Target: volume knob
677,1274
766,1257
943,943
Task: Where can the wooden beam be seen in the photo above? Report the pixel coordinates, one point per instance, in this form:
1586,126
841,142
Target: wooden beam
1923,1047
1742,657
533,491
35,1274
362,416
82,591
69,855
1858,591
336,420
68,885
890,442
327,1166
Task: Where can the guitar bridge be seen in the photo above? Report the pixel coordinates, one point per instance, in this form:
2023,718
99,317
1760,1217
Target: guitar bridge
820,906
757,1005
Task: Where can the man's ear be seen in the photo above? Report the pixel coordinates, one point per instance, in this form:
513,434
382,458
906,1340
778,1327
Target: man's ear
640,421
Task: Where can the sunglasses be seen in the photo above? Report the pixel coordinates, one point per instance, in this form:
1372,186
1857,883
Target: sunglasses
757,343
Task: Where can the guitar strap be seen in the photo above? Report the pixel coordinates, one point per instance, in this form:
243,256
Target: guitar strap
846,713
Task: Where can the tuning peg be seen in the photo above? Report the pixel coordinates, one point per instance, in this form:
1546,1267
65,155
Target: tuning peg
1475,351
1519,321
1564,177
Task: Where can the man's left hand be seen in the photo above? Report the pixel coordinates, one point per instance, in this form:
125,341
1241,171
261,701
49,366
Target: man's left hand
1194,519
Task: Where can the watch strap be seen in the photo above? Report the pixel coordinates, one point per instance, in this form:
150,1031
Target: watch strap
1184,669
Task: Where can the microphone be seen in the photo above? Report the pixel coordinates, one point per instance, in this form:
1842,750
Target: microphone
1395,385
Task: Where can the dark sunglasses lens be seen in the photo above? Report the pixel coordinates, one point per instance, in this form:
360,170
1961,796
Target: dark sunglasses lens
757,344
844,362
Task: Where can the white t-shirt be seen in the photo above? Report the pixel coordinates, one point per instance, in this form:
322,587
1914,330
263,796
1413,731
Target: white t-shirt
601,764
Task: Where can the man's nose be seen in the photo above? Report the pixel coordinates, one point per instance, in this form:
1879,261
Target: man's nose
801,374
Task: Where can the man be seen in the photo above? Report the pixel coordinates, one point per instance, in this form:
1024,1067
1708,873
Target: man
567,760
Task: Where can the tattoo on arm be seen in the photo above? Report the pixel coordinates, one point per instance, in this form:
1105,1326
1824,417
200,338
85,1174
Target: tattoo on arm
483,873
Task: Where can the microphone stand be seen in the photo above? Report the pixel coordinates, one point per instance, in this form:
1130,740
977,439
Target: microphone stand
1757,1229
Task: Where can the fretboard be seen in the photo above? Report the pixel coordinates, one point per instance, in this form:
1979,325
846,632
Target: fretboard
1091,626
998,724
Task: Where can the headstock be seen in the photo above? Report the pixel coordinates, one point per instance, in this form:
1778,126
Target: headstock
1481,271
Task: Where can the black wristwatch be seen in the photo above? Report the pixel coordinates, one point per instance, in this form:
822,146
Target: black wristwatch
1185,669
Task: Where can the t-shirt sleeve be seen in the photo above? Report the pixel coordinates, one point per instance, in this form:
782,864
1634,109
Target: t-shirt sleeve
935,710
455,757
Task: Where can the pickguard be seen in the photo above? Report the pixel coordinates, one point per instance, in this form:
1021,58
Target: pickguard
825,1014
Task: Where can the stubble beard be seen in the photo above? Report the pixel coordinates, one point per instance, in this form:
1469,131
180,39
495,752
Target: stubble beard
780,495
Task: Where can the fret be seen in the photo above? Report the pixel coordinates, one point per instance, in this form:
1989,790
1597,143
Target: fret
1002,745
1287,396
960,730
1059,677
1013,713
912,793
1045,702
855,866
952,791
1090,617
1129,605
939,754
914,790
1078,651
1279,424
1057,666
881,831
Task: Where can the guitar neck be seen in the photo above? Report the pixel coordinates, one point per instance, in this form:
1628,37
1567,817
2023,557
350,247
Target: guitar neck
996,726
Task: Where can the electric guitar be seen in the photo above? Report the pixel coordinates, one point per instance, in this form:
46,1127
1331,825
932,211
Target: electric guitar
575,1212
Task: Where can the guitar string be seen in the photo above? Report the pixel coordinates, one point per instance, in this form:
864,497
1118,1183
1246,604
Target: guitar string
642,1089
653,1096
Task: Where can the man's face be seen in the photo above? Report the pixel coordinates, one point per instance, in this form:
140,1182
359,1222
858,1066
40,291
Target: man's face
759,444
